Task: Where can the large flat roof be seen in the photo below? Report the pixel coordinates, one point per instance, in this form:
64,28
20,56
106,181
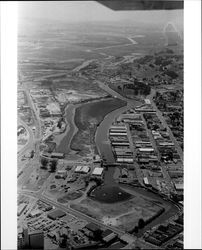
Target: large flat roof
179,186
83,169
56,214
97,171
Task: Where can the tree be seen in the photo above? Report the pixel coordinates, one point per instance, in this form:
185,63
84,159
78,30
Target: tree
44,162
53,165
59,125
141,223
135,229
32,154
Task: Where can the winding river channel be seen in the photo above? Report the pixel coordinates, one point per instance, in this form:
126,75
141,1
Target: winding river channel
104,149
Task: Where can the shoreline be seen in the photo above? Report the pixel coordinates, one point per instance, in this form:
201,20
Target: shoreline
93,135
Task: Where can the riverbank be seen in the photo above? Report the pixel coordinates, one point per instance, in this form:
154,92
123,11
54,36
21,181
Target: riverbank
87,118
65,139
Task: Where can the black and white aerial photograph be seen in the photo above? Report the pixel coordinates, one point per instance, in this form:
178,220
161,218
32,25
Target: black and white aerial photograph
100,125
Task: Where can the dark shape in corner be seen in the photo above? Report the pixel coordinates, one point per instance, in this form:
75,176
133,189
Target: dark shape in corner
120,5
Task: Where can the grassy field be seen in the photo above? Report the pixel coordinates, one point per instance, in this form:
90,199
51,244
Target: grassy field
124,215
80,85
87,117
70,196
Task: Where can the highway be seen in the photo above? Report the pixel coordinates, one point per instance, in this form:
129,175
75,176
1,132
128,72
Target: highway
34,141
35,112
30,140
83,65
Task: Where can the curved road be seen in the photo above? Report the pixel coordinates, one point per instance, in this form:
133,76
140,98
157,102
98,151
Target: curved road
30,140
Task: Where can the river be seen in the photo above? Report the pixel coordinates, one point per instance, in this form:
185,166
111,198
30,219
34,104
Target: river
101,136
104,149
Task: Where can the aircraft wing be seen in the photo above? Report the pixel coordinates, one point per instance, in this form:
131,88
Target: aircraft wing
121,5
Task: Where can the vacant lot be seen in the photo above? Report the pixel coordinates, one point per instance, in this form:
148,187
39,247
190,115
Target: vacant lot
70,196
124,215
36,180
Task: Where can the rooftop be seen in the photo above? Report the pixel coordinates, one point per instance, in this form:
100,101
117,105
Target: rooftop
97,171
92,227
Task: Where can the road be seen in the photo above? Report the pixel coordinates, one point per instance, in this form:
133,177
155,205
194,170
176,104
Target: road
133,42
31,138
163,168
73,212
83,65
162,119
27,167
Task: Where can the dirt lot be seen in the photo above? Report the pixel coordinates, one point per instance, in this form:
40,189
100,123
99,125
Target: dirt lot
124,215
36,180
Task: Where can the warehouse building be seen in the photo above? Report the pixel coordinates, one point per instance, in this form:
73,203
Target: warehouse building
57,155
56,214
61,174
124,160
179,186
21,208
146,150
82,169
98,172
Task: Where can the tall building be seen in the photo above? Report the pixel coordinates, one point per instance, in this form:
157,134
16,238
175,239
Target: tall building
25,235
36,240
31,240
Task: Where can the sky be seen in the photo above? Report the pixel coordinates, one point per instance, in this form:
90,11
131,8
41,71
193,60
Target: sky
80,11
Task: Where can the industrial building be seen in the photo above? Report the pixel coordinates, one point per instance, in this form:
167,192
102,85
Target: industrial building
129,116
108,236
61,174
147,101
120,144
179,186
97,172
21,208
146,150
56,214
124,160
117,133
118,127
82,169
57,155
36,240
146,182
31,240
35,213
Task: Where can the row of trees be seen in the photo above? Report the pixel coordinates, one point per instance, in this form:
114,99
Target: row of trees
52,164
141,224
140,88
